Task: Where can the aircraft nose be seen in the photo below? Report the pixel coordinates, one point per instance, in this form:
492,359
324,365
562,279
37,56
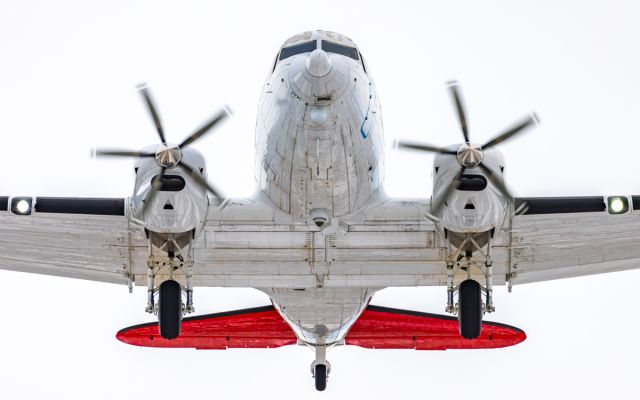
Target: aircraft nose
318,63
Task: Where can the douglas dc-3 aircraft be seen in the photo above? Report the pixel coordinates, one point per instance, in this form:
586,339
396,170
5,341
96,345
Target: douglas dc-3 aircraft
320,236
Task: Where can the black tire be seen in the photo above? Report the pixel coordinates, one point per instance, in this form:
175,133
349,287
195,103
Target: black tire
470,309
170,309
321,377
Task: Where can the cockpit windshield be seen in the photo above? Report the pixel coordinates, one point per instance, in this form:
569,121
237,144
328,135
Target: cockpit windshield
306,47
331,47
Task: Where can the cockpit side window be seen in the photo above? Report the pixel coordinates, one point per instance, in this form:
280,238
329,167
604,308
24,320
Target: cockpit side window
362,60
306,47
340,49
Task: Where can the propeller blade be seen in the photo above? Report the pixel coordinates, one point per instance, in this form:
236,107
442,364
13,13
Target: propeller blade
156,184
121,153
439,202
422,147
519,127
196,176
454,89
496,181
144,91
224,113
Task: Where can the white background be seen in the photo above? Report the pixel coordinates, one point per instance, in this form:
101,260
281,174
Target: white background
68,72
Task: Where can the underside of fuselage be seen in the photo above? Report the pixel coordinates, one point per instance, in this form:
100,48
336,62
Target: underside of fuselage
319,131
319,147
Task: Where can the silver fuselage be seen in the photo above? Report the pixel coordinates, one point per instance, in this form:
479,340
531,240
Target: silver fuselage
319,141
319,147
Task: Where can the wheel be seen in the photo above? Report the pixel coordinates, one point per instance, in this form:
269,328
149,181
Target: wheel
170,309
321,377
470,309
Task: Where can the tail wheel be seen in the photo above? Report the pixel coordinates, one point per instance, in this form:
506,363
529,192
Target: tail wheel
320,374
470,309
170,309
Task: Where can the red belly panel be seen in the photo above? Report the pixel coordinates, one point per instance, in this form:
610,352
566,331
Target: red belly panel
377,328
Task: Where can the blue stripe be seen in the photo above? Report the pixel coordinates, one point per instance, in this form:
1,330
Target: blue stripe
366,115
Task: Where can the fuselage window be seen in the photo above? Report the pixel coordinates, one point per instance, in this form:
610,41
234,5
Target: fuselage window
340,49
169,183
306,47
472,183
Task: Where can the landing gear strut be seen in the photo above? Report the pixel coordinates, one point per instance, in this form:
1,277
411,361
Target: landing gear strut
470,308
170,307
320,368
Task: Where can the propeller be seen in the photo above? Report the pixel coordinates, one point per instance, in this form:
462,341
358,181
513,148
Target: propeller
167,155
468,154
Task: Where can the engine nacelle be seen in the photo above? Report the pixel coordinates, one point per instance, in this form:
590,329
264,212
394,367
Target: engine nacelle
180,204
476,205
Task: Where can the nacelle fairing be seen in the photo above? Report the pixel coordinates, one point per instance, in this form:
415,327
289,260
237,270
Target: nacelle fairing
476,205
180,205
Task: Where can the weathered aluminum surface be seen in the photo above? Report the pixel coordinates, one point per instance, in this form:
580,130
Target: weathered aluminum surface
319,142
554,246
245,245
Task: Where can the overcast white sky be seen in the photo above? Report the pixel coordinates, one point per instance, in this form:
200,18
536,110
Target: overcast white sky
68,72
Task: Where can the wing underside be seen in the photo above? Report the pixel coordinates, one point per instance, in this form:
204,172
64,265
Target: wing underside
246,243
575,236
69,237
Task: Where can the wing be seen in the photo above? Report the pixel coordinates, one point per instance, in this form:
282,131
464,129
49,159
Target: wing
249,243
567,237
72,237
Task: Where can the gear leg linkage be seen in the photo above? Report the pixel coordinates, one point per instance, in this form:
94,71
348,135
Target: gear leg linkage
488,273
450,275
189,275
488,263
450,288
150,282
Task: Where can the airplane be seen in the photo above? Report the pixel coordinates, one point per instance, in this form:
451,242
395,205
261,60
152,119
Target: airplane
320,237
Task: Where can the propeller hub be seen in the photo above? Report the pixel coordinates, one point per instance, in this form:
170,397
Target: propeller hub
168,155
469,155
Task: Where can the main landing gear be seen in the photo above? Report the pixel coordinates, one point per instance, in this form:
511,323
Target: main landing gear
170,308
320,368
470,307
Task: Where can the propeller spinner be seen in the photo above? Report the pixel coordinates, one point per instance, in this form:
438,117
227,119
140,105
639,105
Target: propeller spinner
167,155
468,154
